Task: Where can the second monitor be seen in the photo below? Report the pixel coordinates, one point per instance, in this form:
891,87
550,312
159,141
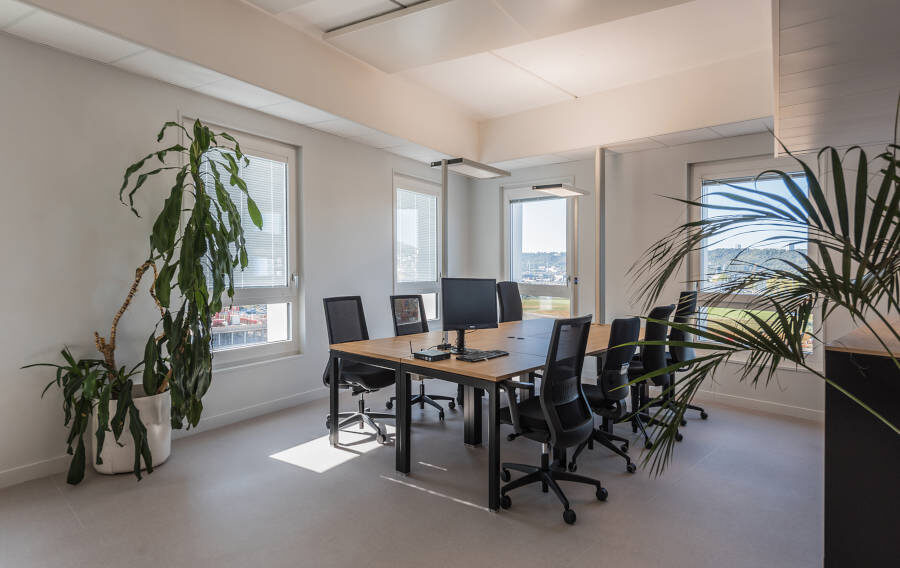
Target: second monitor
468,303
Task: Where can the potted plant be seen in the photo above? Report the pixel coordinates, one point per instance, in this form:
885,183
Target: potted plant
196,243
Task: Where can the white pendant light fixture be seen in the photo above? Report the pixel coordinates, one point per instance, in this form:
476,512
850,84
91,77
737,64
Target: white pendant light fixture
559,190
472,169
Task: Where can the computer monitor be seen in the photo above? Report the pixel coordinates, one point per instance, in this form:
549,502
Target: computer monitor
468,303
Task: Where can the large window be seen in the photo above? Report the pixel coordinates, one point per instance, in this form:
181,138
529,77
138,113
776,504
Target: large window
417,253
262,315
737,251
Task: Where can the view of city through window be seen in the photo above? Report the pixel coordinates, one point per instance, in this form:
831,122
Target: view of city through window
739,251
254,324
538,254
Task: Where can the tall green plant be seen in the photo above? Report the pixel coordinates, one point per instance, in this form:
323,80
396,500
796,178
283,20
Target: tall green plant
198,240
852,263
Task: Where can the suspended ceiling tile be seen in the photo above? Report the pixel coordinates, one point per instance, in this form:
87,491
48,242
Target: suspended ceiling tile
379,140
11,10
278,6
151,63
578,155
418,153
487,85
434,31
297,112
687,136
635,145
648,45
740,128
241,93
66,35
343,127
329,14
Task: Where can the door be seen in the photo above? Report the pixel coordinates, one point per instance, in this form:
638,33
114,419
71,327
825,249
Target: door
540,255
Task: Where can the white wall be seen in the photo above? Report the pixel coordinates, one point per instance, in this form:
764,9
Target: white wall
69,248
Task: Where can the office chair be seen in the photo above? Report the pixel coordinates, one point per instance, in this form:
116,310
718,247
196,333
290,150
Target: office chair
510,301
409,317
346,321
651,358
607,397
559,418
687,308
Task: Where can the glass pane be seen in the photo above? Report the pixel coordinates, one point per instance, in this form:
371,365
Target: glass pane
712,317
737,251
416,233
430,301
254,324
545,307
538,241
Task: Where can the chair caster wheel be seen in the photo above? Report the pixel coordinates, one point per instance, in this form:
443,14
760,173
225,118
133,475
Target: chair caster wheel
381,438
678,437
569,516
389,405
505,475
631,468
624,448
328,424
573,467
451,404
683,422
505,502
704,415
602,494
510,437
648,444
441,416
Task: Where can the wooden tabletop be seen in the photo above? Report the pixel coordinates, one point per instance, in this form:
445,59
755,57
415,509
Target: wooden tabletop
864,342
526,341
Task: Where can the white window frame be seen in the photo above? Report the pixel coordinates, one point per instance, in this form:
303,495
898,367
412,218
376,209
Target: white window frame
735,169
253,145
424,186
522,191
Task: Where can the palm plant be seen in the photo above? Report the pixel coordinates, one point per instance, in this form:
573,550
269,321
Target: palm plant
852,263
198,240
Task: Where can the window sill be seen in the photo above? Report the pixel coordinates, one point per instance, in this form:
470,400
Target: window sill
814,361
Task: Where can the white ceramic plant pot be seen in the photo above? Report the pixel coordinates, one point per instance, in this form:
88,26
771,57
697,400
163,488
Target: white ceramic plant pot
155,413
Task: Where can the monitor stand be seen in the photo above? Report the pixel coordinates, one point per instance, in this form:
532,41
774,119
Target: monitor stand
460,347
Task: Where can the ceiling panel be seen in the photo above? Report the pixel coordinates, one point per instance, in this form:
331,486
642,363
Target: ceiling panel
11,10
297,112
344,127
278,6
648,45
329,14
379,140
687,136
151,63
418,153
741,128
635,146
50,29
487,85
241,93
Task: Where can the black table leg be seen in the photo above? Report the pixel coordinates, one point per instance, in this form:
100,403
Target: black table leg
472,416
334,367
403,419
494,449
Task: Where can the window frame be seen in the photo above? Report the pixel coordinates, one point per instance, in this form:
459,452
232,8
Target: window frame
736,169
254,145
426,187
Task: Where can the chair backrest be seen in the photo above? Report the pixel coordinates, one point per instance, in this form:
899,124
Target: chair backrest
510,301
345,319
409,314
565,407
654,356
614,375
686,309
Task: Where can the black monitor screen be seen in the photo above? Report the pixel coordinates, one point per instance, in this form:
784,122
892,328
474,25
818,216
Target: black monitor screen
469,303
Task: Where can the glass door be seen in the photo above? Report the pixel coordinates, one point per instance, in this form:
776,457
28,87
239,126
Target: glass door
540,255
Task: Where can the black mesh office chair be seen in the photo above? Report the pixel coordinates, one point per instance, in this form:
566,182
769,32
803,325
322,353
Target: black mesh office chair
409,318
510,301
607,397
687,308
346,321
651,358
559,418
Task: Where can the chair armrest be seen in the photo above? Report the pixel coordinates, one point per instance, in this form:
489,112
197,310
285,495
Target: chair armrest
508,386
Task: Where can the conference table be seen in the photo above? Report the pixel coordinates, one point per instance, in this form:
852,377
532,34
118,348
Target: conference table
526,341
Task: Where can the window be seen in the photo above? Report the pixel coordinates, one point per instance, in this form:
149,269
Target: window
262,319
417,251
539,250
737,250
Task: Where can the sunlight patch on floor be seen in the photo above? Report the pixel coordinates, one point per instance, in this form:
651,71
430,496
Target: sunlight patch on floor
319,456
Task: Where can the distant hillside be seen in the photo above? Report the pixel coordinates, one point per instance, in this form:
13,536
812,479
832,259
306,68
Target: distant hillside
718,260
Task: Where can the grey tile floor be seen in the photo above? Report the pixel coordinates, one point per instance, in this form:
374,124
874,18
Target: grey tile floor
745,489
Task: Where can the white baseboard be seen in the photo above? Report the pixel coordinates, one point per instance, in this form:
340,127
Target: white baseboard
59,464
36,470
762,405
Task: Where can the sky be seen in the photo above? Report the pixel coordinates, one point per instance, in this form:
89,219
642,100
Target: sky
733,239
544,225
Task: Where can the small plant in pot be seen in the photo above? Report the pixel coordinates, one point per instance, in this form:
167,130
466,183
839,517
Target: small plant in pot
196,243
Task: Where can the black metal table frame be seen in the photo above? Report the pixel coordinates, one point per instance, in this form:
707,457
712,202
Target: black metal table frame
472,411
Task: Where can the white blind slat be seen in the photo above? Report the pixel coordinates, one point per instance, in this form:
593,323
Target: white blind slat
416,246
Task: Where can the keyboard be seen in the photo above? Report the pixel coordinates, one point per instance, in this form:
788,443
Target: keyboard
474,355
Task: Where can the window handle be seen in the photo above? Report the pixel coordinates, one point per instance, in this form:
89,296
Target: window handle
295,280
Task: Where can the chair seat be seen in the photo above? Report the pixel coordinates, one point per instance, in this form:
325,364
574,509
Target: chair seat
599,404
369,377
636,369
531,415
